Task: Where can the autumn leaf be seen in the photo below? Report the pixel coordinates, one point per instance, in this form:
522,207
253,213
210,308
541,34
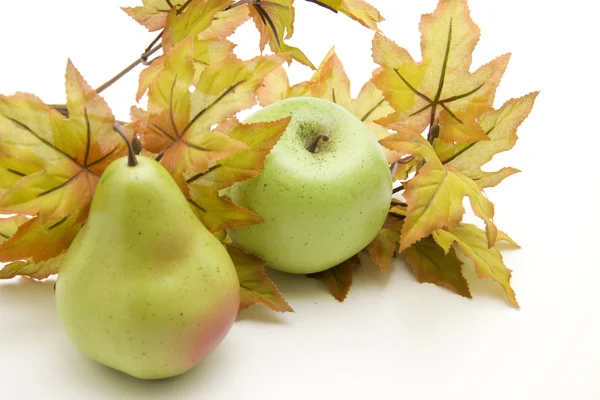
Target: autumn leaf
274,20
440,89
488,261
431,265
434,196
358,10
74,151
398,209
201,53
332,5
9,226
406,143
385,244
255,285
59,164
203,25
225,23
501,128
370,106
219,213
181,127
363,12
505,241
195,19
276,87
339,278
445,240
434,199
330,82
28,268
153,13
13,169
41,241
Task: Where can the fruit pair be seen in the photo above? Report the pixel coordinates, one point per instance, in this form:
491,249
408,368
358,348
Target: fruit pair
146,289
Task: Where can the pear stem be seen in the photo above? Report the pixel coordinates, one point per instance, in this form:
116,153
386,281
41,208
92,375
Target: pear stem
132,160
312,147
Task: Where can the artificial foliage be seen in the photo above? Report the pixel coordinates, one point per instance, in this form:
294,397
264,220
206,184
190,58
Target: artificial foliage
435,120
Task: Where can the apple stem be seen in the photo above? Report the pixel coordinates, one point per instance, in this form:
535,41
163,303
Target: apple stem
132,162
312,147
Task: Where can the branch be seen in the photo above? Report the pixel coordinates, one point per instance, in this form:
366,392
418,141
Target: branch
142,60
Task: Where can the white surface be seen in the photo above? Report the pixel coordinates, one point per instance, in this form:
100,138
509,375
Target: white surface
392,338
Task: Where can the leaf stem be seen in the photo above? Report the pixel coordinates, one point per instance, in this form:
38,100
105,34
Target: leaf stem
312,147
156,40
434,133
132,162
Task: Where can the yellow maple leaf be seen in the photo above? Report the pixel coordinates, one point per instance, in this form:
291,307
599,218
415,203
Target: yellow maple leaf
434,196
439,90
487,260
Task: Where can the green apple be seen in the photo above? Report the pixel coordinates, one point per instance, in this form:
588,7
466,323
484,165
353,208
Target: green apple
320,204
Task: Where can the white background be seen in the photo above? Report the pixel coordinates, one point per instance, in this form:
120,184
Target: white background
393,338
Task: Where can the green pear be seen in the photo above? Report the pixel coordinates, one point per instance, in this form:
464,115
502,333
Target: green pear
145,288
324,193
